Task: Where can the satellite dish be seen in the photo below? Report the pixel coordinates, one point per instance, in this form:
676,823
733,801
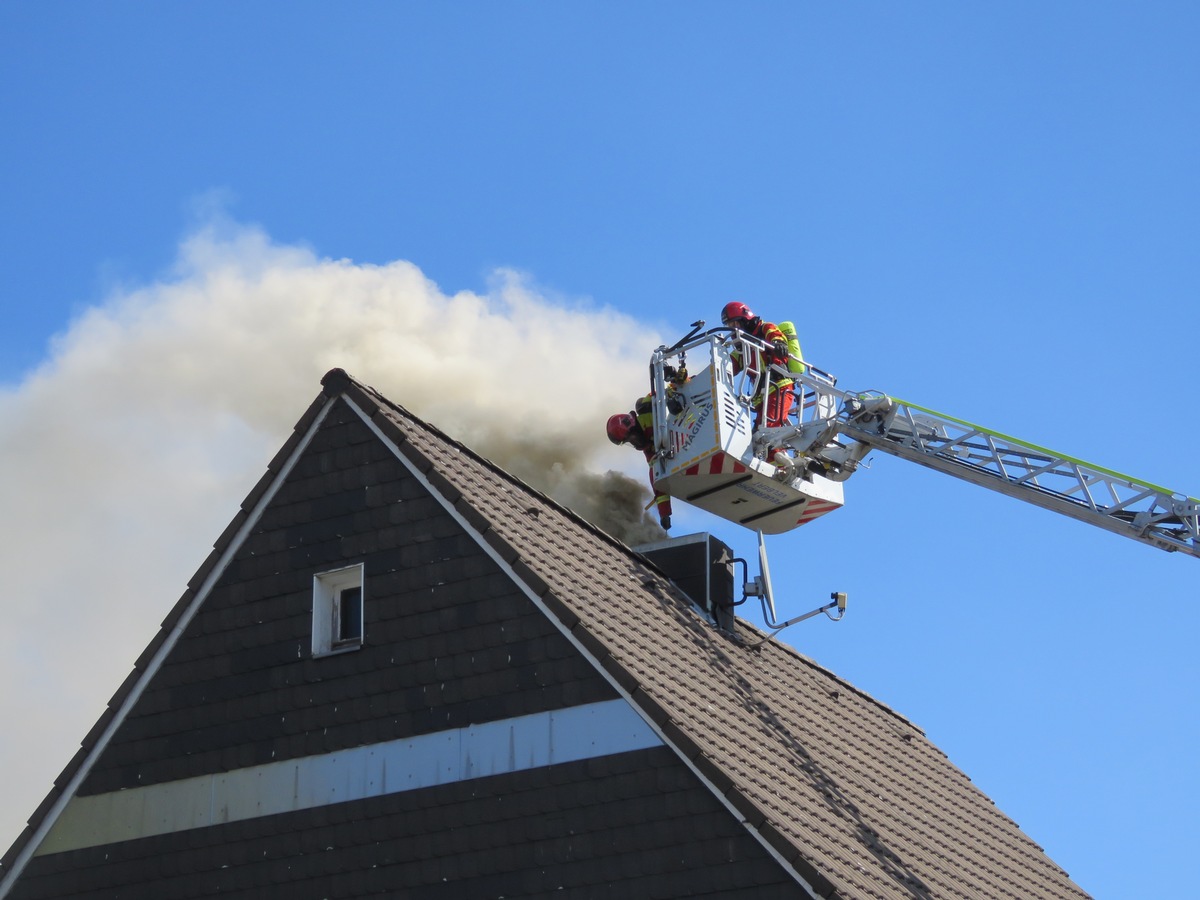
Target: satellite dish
767,593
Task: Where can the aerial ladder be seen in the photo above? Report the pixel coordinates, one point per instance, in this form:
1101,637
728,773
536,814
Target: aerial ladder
713,454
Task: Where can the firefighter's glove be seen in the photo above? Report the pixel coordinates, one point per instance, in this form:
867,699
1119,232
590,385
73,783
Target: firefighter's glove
781,351
666,522
675,403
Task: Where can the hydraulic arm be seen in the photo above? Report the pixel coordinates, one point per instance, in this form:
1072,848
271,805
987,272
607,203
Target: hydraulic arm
1093,494
832,431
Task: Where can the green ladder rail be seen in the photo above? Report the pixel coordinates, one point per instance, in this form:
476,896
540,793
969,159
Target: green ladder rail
1064,484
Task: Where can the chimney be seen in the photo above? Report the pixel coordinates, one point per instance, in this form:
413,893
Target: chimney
702,567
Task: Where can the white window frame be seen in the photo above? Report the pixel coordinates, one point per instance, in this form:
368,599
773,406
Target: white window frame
329,589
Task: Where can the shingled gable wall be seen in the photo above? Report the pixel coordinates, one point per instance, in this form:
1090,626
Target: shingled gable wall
453,642
758,773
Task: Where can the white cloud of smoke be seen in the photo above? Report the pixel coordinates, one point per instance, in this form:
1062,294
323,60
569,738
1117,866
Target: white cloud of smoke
128,450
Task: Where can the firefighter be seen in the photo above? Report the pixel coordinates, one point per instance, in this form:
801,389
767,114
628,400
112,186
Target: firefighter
778,402
778,399
636,428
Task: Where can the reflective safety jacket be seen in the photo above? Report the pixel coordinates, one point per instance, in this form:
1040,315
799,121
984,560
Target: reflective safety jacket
642,438
769,334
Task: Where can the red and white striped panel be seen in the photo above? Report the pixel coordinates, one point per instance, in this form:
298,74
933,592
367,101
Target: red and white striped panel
720,464
816,508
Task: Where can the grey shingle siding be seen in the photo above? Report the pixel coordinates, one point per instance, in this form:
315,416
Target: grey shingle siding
450,641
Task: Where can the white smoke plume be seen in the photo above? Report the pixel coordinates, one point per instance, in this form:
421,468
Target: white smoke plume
126,453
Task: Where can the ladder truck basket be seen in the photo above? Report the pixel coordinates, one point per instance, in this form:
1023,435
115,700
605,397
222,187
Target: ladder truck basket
709,453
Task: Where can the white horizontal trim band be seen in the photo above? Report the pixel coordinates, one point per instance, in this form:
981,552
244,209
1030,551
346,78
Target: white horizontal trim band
494,748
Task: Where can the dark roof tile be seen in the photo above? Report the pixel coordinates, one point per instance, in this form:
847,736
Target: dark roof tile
93,735
259,490
177,610
503,548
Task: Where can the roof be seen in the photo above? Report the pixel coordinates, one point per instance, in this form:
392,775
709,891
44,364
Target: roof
843,792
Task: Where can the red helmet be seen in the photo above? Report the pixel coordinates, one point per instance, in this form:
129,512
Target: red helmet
619,426
736,311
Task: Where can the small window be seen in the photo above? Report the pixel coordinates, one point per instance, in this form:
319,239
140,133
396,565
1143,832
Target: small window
338,610
348,614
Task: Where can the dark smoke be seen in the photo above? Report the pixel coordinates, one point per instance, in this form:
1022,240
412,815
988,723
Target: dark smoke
612,501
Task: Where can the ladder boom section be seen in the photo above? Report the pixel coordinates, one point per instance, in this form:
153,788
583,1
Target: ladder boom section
1093,494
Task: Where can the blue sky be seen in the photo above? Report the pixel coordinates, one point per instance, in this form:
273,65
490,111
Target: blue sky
989,210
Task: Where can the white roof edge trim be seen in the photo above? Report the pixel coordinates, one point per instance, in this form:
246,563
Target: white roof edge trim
575,642
85,768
